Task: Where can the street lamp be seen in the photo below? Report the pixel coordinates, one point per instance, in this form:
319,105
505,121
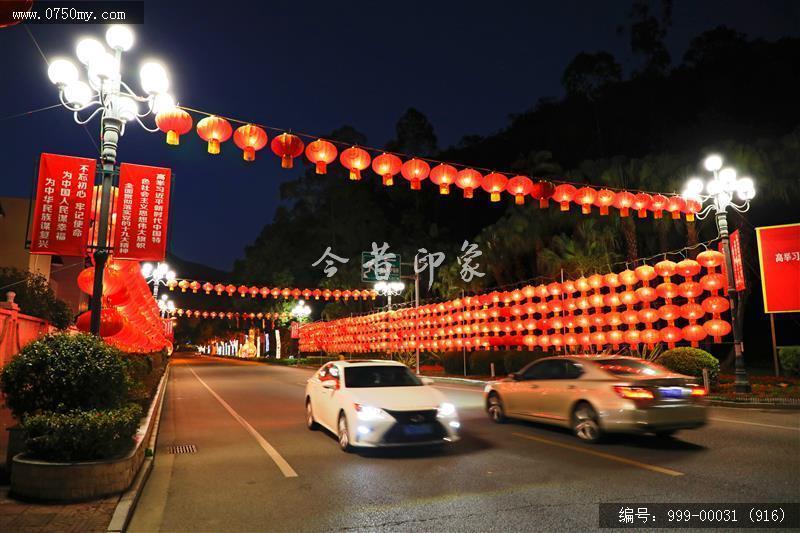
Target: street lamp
159,274
721,188
166,306
301,310
389,289
107,95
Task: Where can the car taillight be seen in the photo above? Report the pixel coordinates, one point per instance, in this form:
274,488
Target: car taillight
698,392
634,393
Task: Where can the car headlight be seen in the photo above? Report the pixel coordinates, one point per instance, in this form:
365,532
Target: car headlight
447,409
368,413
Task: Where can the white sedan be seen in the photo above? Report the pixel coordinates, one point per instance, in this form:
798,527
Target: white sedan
378,403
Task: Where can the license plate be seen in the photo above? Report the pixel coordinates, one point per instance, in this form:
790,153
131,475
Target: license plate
423,429
673,392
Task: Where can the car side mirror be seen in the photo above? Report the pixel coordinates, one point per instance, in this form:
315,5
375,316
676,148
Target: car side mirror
329,384
426,381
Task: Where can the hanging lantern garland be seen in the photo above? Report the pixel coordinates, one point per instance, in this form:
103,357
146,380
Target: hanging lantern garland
266,292
321,152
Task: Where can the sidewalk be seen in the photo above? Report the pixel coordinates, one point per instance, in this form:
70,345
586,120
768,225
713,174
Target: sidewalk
21,516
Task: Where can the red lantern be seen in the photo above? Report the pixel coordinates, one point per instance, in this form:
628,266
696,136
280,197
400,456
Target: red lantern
287,147
645,273
694,333
494,184
657,204
669,312
623,201
712,282
250,138
717,328
214,130
675,205
671,335
641,202
111,322
710,259
667,290
585,197
355,160
688,268
665,268
415,170
321,153
174,122
386,166
543,191
604,199
468,180
563,194
443,175
691,208
519,186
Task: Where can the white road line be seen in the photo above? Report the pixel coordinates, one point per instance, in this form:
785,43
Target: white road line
753,424
285,468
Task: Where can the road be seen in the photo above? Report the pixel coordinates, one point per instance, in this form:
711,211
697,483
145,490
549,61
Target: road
257,468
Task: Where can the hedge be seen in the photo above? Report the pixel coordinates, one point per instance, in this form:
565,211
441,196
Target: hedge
790,359
518,359
81,435
691,362
480,363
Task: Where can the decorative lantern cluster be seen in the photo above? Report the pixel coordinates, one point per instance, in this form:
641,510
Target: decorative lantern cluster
229,315
254,291
640,307
250,138
130,317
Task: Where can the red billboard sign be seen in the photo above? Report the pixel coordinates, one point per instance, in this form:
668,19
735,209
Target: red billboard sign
735,245
142,211
779,259
62,207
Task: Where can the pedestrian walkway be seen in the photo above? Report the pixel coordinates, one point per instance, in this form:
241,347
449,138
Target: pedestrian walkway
19,516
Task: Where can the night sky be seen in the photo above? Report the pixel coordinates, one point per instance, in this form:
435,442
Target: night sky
314,66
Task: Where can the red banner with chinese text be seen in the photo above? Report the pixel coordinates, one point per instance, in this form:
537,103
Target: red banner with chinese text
142,210
779,259
63,202
735,245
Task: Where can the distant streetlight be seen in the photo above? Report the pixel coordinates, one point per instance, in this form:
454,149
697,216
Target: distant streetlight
301,310
159,274
389,289
117,104
720,188
166,306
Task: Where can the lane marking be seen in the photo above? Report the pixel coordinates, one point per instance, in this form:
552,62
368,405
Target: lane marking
609,456
284,466
790,428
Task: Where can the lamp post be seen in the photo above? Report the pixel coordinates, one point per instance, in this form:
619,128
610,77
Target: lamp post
117,104
159,274
720,188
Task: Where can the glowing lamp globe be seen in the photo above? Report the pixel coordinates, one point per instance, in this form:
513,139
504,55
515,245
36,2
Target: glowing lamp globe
154,78
214,130
468,180
249,139
321,153
77,94
88,49
174,123
119,37
415,170
355,160
443,175
62,72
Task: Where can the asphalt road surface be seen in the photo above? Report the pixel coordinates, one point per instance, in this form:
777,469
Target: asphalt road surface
257,468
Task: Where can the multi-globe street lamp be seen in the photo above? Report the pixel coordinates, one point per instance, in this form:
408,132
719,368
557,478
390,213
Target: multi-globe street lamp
722,187
301,310
159,274
166,306
389,289
107,95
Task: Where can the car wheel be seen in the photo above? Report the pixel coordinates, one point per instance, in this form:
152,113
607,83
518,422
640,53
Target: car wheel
585,423
310,422
343,434
495,409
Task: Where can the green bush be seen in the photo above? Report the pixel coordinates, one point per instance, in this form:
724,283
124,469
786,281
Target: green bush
480,363
81,435
62,373
453,363
790,359
691,362
517,360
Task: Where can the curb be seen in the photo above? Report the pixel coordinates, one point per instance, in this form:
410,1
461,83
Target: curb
461,381
759,406
127,501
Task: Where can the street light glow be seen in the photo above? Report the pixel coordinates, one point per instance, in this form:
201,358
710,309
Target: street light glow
127,108
77,93
102,67
62,72
713,163
119,37
154,78
89,49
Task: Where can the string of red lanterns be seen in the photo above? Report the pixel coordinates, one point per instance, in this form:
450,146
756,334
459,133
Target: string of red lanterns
275,292
229,315
251,138
643,306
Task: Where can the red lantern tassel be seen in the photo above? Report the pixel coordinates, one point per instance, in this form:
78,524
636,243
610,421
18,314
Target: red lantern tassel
213,146
676,215
565,206
586,209
544,202
519,199
388,180
642,213
416,185
467,193
249,153
495,197
355,174
623,211
444,188
657,214
286,161
173,138
689,217
603,209
322,167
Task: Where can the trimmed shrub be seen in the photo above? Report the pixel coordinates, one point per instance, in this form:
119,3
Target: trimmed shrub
61,373
453,363
517,360
691,362
81,435
790,359
480,363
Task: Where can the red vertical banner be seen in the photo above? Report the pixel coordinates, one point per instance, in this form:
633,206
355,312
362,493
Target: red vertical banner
62,205
779,260
295,330
735,245
142,212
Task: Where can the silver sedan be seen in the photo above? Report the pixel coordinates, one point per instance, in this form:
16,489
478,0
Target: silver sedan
593,395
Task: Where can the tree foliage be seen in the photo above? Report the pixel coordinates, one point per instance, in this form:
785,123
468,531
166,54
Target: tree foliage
35,297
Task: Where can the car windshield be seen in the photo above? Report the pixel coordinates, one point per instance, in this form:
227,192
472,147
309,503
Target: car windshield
631,367
356,377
